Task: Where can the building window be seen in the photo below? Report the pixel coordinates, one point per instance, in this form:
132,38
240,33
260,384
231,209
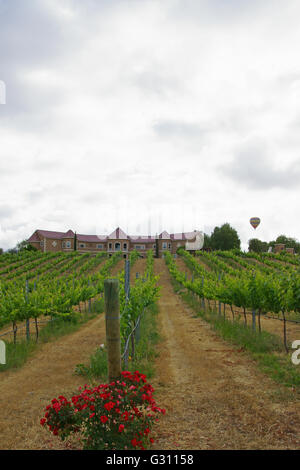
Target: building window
154,246
169,246
164,246
125,246
139,247
100,246
66,244
117,246
81,245
110,246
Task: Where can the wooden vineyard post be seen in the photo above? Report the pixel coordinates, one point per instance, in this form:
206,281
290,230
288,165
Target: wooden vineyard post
2,353
127,279
112,321
253,319
220,304
203,301
27,319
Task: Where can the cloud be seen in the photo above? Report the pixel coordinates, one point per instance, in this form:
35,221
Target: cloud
253,167
115,109
179,129
5,211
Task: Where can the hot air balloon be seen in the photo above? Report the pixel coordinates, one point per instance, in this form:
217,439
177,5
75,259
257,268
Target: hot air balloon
255,221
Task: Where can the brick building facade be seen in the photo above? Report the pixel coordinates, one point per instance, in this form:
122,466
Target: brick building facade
118,240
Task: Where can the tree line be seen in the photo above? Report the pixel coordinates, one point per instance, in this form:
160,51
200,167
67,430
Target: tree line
227,238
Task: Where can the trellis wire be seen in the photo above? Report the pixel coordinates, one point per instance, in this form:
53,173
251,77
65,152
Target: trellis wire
125,355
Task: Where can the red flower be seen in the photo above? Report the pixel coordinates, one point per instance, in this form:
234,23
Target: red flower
43,421
109,406
103,419
121,427
134,442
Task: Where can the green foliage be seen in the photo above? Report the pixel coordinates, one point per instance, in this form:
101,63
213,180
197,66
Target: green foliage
24,245
144,352
267,290
51,294
207,242
97,368
288,241
75,242
224,238
258,246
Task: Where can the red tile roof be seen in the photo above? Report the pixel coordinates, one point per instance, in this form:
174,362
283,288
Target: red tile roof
34,238
91,238
49,234
164,235
117,234
142,239
69,234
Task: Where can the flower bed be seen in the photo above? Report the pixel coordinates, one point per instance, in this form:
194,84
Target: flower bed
118,415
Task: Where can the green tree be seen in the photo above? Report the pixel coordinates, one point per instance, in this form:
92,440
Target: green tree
289,242
225,238
24,245
75,242
258,246
207,242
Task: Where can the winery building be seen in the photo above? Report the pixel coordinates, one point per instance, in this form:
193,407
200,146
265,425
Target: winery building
118,240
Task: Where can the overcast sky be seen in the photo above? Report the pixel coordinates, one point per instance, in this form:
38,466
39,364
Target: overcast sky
150,115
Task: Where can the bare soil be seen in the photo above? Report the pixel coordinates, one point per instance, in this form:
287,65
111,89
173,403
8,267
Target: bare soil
214,395
25,393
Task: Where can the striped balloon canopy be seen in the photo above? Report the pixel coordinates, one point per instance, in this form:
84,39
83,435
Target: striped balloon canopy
255,221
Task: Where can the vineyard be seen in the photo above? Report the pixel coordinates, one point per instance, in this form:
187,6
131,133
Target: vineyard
246,284
208,304
38,288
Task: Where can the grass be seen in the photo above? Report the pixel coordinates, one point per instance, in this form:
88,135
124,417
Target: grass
17,354
265,348
145,352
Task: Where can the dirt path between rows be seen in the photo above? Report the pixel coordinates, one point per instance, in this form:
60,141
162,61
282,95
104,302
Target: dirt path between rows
24,393
214,395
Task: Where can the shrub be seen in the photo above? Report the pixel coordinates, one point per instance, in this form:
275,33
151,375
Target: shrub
118,415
